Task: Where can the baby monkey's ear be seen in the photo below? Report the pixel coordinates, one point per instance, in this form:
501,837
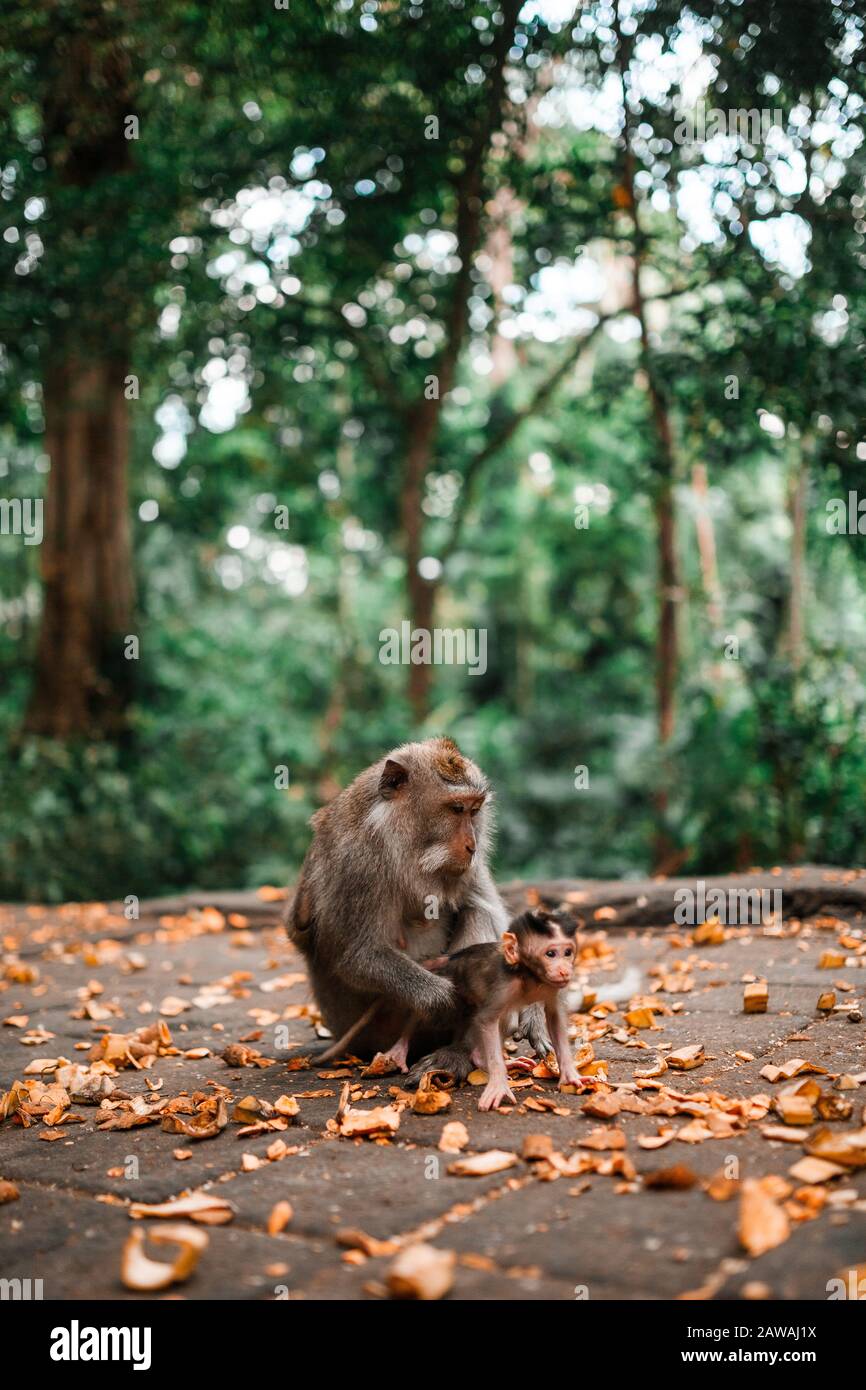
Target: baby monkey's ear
509,948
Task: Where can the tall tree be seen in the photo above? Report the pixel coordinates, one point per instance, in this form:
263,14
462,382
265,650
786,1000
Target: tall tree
90,88
118,123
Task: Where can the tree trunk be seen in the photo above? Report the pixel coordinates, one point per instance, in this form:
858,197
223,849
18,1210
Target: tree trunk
665,855
667,640
82,678
707,545
420,592
798,506
423,418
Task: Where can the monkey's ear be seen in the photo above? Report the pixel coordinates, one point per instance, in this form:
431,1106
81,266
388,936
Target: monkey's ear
394,776
509,948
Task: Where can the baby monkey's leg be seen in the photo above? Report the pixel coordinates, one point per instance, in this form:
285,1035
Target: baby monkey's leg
395,1058
557,1022
488,1040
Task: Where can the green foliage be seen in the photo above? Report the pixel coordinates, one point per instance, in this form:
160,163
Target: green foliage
260,651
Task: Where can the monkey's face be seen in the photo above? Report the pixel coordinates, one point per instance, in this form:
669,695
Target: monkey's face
541,946
555,961
432,802
455,828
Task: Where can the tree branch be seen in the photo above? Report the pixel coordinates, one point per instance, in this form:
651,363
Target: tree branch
542,393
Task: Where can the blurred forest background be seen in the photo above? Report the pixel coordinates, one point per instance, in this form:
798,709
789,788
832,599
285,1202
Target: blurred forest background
322,315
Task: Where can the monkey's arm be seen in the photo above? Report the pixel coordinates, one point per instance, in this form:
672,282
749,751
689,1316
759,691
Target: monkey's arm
484,918
489,1037
532,1028
557,1022
376,968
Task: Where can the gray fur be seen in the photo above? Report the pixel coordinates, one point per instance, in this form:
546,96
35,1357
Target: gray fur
358,913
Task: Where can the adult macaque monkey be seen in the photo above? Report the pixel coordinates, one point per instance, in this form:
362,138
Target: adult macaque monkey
532,964
398,872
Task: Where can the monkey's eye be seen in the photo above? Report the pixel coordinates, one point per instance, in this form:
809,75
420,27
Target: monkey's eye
551,955
474,812
457,809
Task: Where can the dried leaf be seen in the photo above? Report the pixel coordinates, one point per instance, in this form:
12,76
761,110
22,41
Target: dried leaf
383,1119
658,1068
763,1224
602,1106
536,1146
603,1139
847,1147
431,1102
795,1109
280,1216
756,997
722,1188
784,1134
679,1176
145,1275
640,1018
834,1108
480,1165
288,1105
204,1124
421,1271
656,1141
685,1058
353,1239
454,1137
831,960
815,1170
198,1206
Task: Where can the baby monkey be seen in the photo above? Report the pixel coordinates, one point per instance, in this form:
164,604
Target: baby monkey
493,981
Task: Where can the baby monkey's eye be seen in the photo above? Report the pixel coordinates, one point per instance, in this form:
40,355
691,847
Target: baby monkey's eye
550,954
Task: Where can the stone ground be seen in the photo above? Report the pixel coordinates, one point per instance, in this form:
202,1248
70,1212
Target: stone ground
516,1236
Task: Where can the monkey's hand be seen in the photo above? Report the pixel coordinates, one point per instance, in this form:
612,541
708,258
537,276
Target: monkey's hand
569,1076
494,1094
532,1028
435,999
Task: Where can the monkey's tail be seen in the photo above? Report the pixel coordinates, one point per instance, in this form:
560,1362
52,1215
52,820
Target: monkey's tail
342,1043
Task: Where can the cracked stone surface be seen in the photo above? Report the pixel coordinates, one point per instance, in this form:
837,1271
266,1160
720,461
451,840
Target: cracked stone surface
516,1236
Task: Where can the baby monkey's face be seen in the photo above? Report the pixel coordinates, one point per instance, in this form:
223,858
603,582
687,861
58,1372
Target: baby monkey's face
538,943
555,960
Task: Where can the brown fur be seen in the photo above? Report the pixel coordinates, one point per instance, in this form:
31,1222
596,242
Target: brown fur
450,763
532,965
395,875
